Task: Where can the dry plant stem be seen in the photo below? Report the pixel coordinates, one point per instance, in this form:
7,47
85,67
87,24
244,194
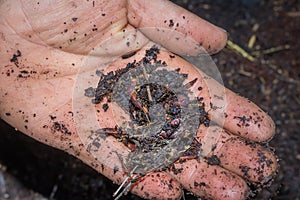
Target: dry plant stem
236,48
127,185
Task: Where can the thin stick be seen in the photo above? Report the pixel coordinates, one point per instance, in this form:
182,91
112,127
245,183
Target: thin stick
239,50
120,187
147,87
149,93
146,114
272,50
125,190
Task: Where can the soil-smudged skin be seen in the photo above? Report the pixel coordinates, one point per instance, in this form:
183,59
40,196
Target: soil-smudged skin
164,115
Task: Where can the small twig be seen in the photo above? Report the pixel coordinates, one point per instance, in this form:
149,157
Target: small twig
147,87
251,41
120,187
125,182
149,93
236,48
271,50
245,73
182,195
293,14
53,192
280,76
145,110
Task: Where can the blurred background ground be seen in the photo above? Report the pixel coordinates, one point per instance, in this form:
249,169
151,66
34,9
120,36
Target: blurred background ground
272,82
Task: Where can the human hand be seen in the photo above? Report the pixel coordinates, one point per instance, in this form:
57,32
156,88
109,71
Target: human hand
59,40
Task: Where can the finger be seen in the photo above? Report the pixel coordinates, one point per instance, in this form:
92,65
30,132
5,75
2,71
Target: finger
237,114
247,159
167,20
209,181
246,119
155,185
158,185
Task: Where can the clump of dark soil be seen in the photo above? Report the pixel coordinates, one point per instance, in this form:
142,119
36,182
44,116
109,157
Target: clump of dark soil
164,119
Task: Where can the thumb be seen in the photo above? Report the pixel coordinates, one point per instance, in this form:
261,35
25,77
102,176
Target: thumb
175,28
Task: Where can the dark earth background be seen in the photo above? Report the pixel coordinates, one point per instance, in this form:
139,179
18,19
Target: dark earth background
272,82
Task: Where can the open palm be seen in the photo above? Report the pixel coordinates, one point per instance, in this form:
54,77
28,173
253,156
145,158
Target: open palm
47,45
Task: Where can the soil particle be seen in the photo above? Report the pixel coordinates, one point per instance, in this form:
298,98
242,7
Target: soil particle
52,117
59,127
128,55
196,184
89,92
263,159
213,160
15,57
245,170
116,169
243,121
171,23
105,107
176,170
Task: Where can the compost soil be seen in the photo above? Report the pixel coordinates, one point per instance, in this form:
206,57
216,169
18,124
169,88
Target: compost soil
272,81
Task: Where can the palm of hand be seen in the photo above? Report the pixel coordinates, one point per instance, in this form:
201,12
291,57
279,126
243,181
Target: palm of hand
57,39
